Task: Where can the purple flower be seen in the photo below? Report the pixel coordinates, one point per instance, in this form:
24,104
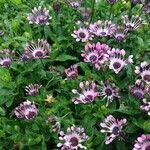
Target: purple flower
73,139
111,1
139,89
75,4
142,142
95,54
39,16
25,57
147,8
87,95
26,110
109,91
136,1
85,13
32,89
117,61
38,50
113,127
72,72
82,34
146,106
5,61
143,71
1,33
56,6
133,23
102,28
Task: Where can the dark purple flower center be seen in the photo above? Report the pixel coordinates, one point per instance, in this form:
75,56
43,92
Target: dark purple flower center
148,147
31,115
34,92
138,94
6,63
89,98
111,1
39,54
115,130
119,38
93,58
116,65
103,33
82,35
147,77
25,57
108,92
74,141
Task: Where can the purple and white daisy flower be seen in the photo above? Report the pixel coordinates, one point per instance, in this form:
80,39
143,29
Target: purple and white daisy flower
75,4
136,2
142,142
117,61
25,57
146,106
147,9
72,72
38,50
26,110
113,127
109,91
5,61
95,54
1,33
102,28
132,23
111,1
82,34
32,89
143,71
39,16
88,94
73,139
139,89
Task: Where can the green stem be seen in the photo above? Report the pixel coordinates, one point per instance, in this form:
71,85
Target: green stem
93,4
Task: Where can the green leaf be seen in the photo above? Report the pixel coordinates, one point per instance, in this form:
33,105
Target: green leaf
5,75
2,111
64,57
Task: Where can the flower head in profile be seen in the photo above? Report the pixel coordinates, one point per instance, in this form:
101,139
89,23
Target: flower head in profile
102,28
146,106
113,127
132,23
85,13
25,57
72,72
139,89
73,139
32,89
95,54
39,16
26,110
88,93
136,2
75,4
109,91
117,59
143,71
38,50
82,34
111,1
147,8
142,142
1,33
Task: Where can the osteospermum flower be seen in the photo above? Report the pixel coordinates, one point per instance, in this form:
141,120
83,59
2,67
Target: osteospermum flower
1,33
38,50
132,23
147,8
5,61
111,1
26,110
25,57
142,142
146,106
117,61
143,71
72,72
88,93
109,91
39,16
85,13
139,89
32,89
95,54
102,28
73,139
113,127
75,4
82,34
136,1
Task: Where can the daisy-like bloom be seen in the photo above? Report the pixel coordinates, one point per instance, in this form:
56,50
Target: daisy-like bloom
55,123
39,16
117,61
109,91
26,110
88,93
111,1
5,61
75,4
147,8
56,6
82,34
85,13
113,127
95,54
72,72
50,99
142,142
1,33
25,57
73,139
139,89
38,50
102,28
120,34
146,106
133,23
32,89
144,71
136,1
